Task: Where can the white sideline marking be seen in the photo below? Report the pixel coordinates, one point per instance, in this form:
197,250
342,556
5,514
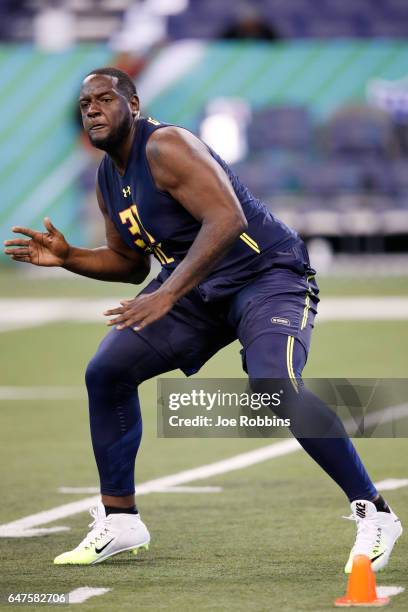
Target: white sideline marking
41,393
29,526
163,490
389,484
22,313
83,593
389,591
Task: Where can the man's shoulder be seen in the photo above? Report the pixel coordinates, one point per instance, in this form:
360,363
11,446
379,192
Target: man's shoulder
166,132
170,139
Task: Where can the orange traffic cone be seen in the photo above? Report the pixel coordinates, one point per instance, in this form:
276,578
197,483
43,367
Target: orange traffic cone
361,589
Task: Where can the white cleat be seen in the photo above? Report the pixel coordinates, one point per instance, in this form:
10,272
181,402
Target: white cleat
109,536
377,533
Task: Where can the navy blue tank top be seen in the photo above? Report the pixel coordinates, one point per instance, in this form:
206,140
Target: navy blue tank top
152,221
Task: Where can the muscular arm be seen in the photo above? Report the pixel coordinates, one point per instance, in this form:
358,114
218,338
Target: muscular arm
182,165
113,262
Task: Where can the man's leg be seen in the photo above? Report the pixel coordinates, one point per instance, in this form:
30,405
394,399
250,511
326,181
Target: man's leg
185,338
266,358
122,362
277,356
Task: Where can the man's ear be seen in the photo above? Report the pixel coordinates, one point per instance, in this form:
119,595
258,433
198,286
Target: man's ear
135,105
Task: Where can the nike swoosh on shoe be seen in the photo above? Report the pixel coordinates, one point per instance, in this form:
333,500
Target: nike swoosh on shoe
99,550
377,557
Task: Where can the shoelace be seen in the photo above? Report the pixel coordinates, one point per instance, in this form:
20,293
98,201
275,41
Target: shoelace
98,529
94,513
368,537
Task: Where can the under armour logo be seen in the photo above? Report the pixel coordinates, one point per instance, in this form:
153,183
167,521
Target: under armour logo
126,191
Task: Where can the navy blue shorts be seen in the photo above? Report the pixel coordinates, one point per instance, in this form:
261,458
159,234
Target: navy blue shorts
279,301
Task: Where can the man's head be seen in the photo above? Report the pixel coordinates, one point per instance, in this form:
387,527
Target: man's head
109,104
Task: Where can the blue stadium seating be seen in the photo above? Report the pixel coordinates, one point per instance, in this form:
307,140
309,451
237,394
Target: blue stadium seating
298,18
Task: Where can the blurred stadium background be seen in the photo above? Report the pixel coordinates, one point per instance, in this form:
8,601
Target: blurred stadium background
308,100
311,108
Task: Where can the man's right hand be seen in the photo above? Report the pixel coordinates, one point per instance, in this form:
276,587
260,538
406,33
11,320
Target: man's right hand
42,249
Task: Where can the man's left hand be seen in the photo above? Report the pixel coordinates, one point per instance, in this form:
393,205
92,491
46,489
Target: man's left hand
141,311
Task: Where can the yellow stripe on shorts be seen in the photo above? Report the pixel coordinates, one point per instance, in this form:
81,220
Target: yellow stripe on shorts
305,312
289,362
307,304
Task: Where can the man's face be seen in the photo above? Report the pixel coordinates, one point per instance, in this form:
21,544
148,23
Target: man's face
107,115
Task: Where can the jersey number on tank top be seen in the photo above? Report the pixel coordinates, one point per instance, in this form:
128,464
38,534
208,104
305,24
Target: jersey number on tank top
130,217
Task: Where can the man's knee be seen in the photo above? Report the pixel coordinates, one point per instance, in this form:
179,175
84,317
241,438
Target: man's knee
275,363
281,393
111,362
101,370
123,359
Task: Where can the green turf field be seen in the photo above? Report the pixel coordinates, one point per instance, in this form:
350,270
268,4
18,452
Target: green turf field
272,539
21,281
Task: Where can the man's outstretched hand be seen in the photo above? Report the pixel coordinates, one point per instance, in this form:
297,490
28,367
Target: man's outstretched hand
141,311
42,249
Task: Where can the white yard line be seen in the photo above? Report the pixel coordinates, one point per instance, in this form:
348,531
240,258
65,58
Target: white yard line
81,490
41,393
363,308
22,313
190,490
30,525
377,418
31,312
83,593
389,591
389,484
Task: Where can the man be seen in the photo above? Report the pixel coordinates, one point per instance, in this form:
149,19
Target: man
229,270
